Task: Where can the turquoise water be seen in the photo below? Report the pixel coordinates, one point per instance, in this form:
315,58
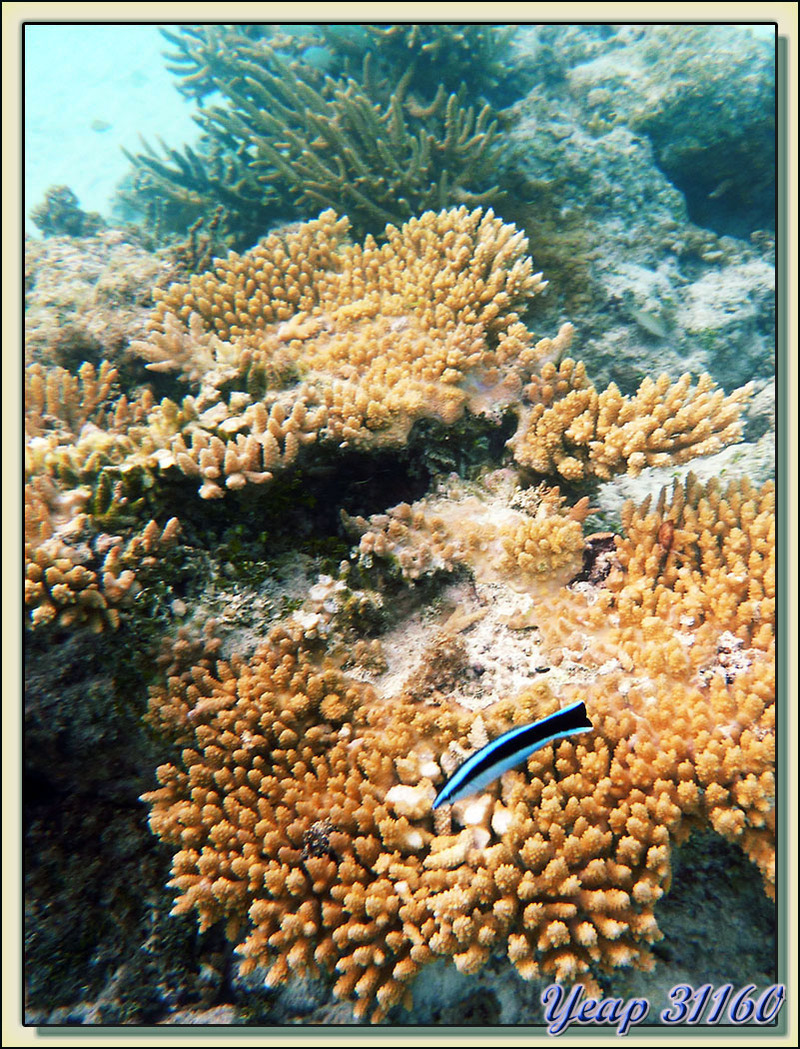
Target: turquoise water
89,91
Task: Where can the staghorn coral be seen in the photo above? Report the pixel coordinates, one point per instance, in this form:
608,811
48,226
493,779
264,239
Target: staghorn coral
341,149
287,138
447,55
199,49
299,808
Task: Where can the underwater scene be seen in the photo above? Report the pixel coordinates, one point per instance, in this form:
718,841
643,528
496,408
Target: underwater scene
400,526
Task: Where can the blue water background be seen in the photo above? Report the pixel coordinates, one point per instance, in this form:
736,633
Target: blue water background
78,74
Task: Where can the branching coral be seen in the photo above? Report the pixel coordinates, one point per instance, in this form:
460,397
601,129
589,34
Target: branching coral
450,55
79,433
85,442
88,582
299,809
574,431
684,630
354,344
340,149
359,143
309,338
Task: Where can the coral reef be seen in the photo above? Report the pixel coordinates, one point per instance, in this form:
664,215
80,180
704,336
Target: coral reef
202,430
450,55
726,164
300,807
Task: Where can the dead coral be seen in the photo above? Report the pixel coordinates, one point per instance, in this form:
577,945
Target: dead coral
87,297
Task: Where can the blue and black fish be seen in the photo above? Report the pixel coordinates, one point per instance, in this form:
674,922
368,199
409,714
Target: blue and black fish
510,749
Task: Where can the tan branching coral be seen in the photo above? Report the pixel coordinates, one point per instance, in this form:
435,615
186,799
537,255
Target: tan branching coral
578,433
369,340
88,582
56,399
301,820
76,424
299,809
308,337
684,630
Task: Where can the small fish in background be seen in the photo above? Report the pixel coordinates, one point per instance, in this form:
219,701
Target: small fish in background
721,189
100,125
509,750
651,323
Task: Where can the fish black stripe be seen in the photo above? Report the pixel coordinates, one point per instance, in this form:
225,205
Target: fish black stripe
517,740
570,719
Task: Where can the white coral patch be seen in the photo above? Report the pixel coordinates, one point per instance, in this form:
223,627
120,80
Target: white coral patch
473,812
411,802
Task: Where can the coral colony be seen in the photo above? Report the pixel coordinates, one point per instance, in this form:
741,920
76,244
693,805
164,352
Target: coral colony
300,807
